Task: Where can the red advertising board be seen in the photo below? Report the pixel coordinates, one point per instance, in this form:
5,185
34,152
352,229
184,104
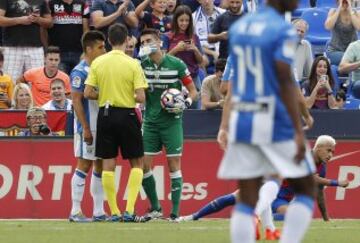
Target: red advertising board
35,179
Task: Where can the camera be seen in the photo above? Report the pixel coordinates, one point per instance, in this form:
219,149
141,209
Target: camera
44,129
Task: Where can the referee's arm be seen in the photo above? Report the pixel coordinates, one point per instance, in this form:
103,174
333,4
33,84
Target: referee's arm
140,84
140,95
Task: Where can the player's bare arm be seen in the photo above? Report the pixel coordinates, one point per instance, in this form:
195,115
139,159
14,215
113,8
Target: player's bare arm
222,137
287,93
322,205
77,98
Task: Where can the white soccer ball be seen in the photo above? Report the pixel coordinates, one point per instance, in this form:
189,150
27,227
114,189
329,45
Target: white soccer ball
170,97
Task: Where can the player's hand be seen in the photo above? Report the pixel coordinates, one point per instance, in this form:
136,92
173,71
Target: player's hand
344,183
300,147
309,122
222,138
88,138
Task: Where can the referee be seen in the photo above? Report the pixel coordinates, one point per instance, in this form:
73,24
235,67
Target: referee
117,82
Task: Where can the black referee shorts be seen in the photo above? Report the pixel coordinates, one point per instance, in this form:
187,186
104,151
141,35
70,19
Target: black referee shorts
120,129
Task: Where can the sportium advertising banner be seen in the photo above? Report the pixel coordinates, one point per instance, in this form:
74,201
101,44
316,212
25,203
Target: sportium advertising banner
35,178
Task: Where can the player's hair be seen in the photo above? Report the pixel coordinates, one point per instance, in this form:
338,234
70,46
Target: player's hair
90,38
324,139
57,80
300,20
117,34
151,31
220,65
52,50
180,10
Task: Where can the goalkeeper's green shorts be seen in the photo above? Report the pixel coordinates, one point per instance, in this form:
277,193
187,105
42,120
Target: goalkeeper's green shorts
156,136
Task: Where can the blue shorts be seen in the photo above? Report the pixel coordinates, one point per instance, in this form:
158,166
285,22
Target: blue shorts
278,202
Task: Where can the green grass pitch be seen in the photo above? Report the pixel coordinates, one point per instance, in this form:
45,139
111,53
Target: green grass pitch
203,231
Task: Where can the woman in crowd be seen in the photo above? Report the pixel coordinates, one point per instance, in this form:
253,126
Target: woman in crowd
183,43
343,22
22,98
319,89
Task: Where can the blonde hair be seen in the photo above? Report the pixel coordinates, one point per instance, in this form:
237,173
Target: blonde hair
17,88
324,139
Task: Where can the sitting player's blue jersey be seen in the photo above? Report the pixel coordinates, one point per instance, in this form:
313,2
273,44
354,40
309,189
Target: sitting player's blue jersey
257,42
78,76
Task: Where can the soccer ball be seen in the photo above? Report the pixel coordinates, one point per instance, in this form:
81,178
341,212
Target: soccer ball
170,98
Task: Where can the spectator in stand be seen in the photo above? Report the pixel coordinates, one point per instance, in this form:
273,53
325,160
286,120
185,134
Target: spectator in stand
343,22
247,5
350,62
58,98
303,57
211,97
6,86
40,78
319,89
107,12
171,6
204,17
130,46
183,43
155,19
22,98
70,21
222,24
36,120
340,98
22,20
192,4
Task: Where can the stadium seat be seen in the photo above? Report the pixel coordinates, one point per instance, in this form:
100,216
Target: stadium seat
302,6
317,34
326,4
334,71
352,104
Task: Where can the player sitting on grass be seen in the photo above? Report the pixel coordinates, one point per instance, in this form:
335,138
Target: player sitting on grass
323,152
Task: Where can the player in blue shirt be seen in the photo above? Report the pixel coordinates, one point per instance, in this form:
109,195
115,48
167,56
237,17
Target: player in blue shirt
264,134
86,111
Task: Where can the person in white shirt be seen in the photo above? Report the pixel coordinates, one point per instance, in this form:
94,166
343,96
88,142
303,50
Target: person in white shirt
58,97
204,17
304,56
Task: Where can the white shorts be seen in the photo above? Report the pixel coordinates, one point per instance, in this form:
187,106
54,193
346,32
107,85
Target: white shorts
81,149
246,161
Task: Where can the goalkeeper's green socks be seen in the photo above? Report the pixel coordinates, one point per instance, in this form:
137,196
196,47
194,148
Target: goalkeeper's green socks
149,186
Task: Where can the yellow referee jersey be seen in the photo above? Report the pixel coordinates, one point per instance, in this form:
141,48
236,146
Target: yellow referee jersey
117,76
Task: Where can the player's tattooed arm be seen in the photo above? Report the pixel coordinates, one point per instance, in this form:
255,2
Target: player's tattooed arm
322,204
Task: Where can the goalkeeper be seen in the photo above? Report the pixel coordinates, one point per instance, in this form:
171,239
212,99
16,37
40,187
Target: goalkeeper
163,126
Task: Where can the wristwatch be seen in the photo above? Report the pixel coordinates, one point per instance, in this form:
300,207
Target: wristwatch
330,93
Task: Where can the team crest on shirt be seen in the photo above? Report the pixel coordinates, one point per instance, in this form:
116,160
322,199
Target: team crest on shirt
77,8
76,82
